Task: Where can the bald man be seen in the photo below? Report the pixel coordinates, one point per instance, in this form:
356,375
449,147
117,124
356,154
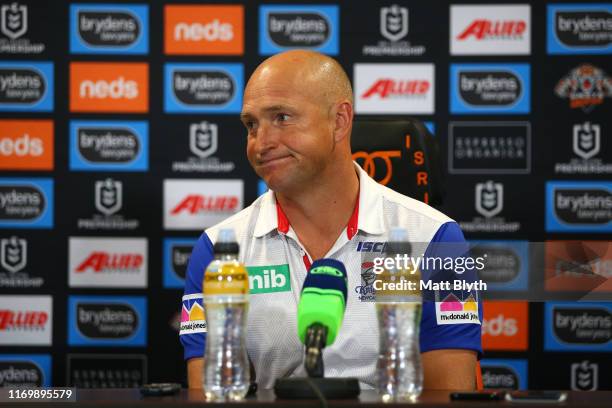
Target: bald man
298,113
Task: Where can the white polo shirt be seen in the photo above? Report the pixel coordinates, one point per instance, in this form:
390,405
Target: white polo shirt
277,265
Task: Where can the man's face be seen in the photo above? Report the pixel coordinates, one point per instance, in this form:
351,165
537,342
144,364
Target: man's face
289,133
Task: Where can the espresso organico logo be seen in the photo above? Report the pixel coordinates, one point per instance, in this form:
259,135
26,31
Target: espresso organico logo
579,28
490,30
203,143
106,370
394,88
14,270
394,30
109,145
588,150
203,88
585,86
579,206
578,326
107,320
177,252
107,262
26,86
26,203
490,88
489,204
25,370
504,374
284,27
14,26
195,204
109,29
26,320
507,263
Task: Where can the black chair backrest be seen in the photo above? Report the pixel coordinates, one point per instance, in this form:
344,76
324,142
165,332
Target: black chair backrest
401,154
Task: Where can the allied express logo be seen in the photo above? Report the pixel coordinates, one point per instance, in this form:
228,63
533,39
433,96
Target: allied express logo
204,30
26,144
109,87
100,261
196,203
23,320
486,29
391,88
585,87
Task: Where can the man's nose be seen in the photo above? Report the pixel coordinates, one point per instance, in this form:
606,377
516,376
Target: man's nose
266,139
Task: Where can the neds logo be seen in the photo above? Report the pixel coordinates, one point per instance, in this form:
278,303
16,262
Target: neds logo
204,29
106,321
109,28
111,87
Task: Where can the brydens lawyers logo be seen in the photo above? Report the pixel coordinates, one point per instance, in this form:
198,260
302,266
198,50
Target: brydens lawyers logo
452,310
490,30
305,26
579,206
505,325
109,29
490,88
25,370
193,317
204,30
203,88
507,264
26,144
578,326
394,88
585,86
579,28
26,203
196,204
109,145
109,87
25,320
26,86
107,262
107,320
506,374
177,252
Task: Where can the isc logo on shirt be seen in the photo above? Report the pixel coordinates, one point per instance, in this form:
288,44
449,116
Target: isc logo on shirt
109,87
269,279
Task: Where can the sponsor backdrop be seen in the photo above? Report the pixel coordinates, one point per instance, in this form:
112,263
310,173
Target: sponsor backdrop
120,142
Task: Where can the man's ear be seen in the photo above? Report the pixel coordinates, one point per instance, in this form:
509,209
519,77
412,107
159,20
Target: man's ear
343,121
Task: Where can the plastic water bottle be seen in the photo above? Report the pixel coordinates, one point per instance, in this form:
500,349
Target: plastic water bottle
225,290
398,308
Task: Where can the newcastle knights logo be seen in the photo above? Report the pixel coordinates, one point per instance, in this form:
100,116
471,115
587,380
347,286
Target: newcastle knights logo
489,198
586,140
109,196
13,254
394,22
203,139
13,20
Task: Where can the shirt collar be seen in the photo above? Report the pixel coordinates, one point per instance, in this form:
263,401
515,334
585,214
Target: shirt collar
367,215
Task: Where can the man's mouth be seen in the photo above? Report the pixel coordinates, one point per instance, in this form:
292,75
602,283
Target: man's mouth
273,161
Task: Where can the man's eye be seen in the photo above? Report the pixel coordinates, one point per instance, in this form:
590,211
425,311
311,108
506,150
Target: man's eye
282,117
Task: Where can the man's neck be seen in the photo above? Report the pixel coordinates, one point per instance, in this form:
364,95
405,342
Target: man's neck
319,213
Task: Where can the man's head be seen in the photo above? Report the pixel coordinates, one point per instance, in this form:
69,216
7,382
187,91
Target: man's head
298,111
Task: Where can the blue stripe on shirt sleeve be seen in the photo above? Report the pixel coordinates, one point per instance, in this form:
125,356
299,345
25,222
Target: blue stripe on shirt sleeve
201,256
448,242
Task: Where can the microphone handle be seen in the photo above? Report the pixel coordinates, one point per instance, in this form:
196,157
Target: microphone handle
316,336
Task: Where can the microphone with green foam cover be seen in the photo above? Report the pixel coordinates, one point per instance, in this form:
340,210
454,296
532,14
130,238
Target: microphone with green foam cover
323,301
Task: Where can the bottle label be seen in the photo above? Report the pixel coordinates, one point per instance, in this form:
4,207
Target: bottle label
229,279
